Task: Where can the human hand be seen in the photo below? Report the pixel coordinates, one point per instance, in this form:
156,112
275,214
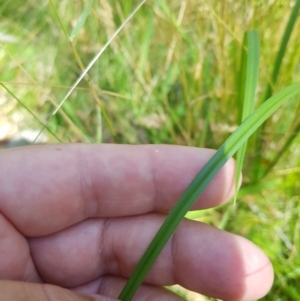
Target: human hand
79,217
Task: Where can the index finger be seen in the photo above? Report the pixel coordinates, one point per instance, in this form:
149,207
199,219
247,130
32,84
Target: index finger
47,188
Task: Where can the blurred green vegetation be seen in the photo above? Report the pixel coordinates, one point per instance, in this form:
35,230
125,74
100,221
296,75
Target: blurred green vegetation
171,76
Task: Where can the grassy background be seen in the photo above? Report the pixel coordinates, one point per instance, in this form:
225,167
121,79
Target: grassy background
171,76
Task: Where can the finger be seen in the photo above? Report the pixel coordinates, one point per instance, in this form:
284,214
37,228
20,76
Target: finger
112,287
69,183
199,257
24,291
16,262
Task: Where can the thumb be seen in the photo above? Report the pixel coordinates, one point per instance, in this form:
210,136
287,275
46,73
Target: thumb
24,291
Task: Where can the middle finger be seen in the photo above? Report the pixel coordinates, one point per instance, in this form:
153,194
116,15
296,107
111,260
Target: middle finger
198,257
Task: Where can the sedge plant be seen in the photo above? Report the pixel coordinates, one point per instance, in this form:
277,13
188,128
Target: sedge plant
237,141
185,67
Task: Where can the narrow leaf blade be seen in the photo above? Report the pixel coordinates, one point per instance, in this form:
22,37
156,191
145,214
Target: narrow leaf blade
257,166
81,20
282,48
29,111
250,67
91,64
231,145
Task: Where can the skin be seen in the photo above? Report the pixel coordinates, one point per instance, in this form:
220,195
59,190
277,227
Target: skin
76,219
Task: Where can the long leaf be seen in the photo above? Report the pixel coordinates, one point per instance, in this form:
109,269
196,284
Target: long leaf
29,111
81,20
249,72
226,151
257,172
282,48
283,149
91,64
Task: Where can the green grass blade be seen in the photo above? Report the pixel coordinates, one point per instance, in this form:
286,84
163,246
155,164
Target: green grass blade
282,49
81,20
91,64
59,19
279,58
29,111
231,145
283,149
257,173
252,41
249,72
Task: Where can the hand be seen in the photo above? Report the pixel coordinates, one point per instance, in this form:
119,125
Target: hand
76,219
